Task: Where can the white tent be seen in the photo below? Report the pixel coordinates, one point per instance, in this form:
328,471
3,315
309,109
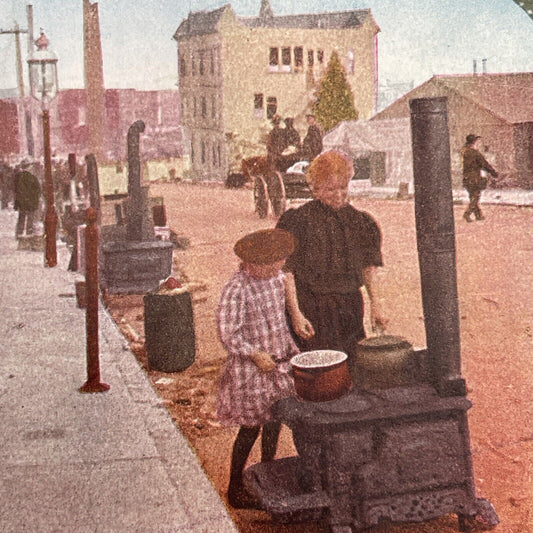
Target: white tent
362,138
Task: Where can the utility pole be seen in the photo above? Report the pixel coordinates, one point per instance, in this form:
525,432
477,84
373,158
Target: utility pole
17,31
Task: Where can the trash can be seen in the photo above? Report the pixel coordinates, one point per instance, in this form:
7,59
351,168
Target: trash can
169,331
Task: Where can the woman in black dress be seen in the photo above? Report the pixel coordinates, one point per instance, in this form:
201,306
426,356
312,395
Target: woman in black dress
338,250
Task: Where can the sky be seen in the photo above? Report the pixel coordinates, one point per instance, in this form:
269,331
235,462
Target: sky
418,38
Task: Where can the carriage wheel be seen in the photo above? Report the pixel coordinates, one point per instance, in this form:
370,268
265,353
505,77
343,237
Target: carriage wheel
260,197
276,190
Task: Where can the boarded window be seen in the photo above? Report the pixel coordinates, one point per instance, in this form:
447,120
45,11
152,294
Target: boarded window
298,58
272,106
274,57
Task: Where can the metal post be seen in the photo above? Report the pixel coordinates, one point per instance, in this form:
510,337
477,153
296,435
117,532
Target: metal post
436,242
93,383
94,186
50,219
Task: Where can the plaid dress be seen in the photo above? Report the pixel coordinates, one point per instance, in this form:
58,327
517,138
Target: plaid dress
251,317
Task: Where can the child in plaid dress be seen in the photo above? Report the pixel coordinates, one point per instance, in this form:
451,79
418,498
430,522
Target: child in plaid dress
253,329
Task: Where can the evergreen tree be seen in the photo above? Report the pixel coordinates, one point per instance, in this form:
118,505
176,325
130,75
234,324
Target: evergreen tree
334,101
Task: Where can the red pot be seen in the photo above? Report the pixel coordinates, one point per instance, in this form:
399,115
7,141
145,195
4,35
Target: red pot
321,375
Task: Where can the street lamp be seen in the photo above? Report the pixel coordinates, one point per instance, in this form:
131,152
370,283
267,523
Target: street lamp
43,85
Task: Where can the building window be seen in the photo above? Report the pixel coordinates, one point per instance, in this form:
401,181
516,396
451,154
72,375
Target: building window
82,116
212,64
214,155
213,107
203,152
194,109
273,62
219,159
193,66
201,64
259,105
285,59
320,56
272,106
204,107
310,58
298,59
183,67
350,62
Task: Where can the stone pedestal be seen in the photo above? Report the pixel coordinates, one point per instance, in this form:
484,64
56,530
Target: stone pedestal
135,267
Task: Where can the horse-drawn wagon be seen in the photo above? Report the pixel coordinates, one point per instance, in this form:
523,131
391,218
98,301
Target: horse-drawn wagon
276,183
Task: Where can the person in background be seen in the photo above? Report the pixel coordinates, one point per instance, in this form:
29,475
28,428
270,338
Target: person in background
312,143
473,180
276,143
338,251
27,194
6,183
253,329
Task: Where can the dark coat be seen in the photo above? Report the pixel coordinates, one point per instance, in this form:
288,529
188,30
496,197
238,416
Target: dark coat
473,164
27,191
312,143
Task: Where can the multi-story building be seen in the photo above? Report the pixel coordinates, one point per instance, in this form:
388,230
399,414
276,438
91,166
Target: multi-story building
21,134
236,72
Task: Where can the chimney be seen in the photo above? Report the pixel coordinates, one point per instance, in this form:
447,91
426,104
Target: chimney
474,66
484,66
265,13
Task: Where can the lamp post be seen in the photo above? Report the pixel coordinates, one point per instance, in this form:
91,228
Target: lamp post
43,85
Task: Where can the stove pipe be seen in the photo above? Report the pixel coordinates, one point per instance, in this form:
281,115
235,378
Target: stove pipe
436,243
134,228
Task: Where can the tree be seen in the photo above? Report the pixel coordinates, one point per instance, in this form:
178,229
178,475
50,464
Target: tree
334,101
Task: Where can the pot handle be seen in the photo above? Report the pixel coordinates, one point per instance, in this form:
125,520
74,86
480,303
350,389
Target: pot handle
301,374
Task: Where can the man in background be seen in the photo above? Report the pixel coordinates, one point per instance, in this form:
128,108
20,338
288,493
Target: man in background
312,143
27,193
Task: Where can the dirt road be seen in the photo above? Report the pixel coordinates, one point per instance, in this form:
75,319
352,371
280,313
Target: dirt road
495,280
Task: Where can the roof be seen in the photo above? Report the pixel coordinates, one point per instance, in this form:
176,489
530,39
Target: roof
206,22
508,96
201,22
358,136
328,21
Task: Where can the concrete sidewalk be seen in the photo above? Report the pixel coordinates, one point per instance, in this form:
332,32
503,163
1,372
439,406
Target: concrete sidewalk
103,462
